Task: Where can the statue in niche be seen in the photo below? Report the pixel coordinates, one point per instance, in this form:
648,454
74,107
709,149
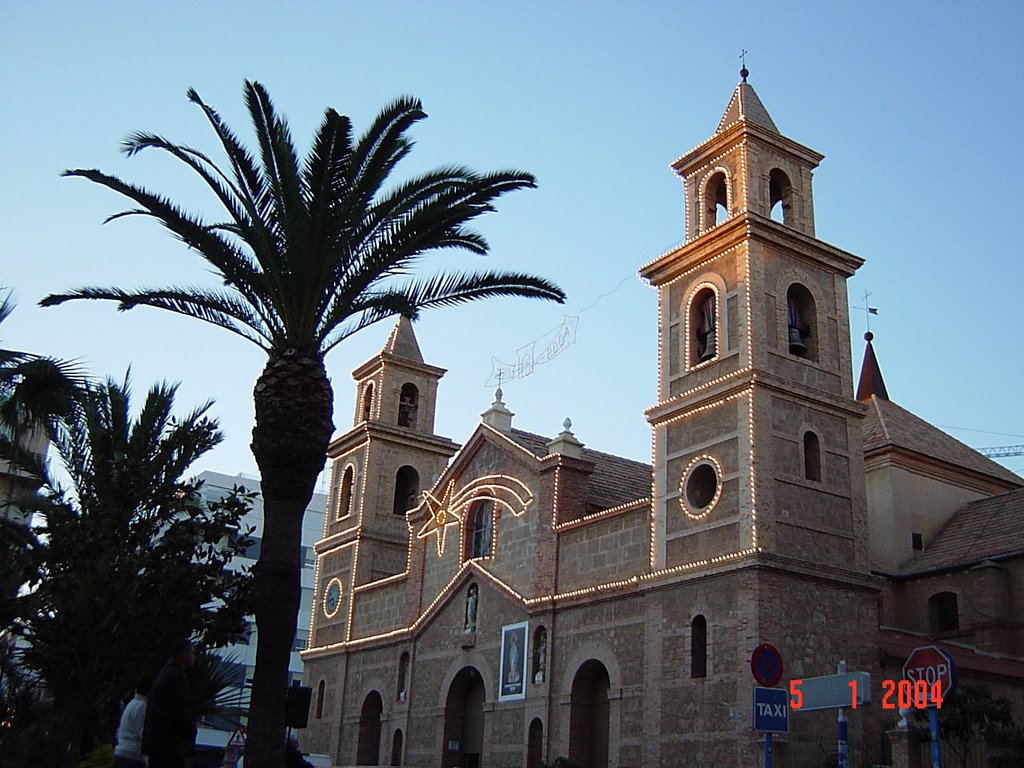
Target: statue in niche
471,600
540,656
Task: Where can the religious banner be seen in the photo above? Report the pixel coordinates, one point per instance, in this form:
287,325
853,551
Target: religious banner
512,682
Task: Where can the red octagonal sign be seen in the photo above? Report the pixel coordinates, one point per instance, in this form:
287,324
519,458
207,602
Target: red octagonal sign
931,664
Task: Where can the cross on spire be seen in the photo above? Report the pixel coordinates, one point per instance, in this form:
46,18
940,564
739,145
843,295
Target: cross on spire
868,311
743,64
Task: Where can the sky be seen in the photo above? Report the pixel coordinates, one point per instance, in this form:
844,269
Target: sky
916,107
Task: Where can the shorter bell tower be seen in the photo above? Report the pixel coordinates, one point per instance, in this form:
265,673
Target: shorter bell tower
378,470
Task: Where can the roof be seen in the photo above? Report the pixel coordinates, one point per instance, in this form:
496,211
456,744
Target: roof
745,105
402,341
898,644
615,480
871,381
888,425
987,529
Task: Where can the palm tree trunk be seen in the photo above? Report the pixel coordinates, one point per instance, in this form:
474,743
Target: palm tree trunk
294,422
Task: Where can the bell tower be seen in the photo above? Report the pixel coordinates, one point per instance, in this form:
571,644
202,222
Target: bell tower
378,469
757,438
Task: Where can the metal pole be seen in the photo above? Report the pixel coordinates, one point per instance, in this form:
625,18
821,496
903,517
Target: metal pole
841,732
768,749
933,726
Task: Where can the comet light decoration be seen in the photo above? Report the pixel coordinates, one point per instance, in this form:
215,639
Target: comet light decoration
507,493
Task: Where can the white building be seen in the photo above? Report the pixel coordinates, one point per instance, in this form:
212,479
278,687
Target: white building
216,485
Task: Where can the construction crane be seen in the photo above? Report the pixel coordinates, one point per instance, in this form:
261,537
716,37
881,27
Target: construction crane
1002,451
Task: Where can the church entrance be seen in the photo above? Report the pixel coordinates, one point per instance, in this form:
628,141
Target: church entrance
368,748
464,721
588,716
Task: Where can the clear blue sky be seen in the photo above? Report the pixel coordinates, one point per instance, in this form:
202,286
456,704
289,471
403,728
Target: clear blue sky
916,106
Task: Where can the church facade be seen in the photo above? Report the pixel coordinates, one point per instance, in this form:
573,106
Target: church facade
522,597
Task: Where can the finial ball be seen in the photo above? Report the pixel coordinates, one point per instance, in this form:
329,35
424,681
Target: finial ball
743,73
567,424
869,336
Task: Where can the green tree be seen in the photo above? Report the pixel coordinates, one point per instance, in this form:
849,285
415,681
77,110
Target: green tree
971,716
124,559
309,254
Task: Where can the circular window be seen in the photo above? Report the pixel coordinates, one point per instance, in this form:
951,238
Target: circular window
332,598
700,487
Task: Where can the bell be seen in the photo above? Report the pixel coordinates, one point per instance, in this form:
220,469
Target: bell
709,347
796,342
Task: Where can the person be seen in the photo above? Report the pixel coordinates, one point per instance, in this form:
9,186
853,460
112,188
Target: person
128,752
170,732
293,755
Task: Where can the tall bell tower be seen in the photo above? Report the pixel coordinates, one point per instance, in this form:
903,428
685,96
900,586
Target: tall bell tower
757,436
378,469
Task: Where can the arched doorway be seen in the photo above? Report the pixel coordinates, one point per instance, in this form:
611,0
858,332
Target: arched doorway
535,744
368,747
464,721
396,748
588,716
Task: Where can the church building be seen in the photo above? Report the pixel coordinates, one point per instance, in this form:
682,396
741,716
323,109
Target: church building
523,597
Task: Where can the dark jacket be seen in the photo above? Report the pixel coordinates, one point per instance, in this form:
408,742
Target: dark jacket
170,732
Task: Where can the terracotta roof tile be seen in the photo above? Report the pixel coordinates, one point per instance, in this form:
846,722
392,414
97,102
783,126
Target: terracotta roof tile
616,480
889,425
989,528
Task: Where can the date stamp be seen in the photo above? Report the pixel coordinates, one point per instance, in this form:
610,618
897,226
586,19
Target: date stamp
904,694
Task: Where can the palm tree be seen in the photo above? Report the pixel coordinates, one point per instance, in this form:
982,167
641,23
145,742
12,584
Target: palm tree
309,254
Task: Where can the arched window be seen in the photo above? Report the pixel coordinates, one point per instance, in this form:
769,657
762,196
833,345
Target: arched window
396,747
943,612
408,401
407,489
320,690
699,646
812,457
366,409
703,326
403,676
479,529
780,191
716,200
801,322
348,478
540,655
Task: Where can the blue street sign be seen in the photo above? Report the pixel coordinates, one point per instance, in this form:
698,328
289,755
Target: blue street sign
771,710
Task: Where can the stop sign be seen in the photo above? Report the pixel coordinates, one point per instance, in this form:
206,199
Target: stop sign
931,664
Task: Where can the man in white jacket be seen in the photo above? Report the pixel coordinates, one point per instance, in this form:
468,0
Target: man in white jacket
128,752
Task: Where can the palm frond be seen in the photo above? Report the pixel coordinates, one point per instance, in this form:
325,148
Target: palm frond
218,309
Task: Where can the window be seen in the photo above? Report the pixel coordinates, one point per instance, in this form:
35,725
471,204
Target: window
403,676
246,637
917,541
812,457
716,200
943,612
480,529
703,326
700,487
345,497
320,691
301,640
252,551
407,489
367,405
699,647
780,203
408,401
801,319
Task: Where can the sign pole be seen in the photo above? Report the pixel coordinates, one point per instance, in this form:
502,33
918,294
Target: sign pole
768,749
841,726
933,726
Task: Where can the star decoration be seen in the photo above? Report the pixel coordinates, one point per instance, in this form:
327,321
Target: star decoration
441,517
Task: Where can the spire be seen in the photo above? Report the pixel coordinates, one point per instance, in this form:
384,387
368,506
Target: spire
745,105
871,382
402,341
